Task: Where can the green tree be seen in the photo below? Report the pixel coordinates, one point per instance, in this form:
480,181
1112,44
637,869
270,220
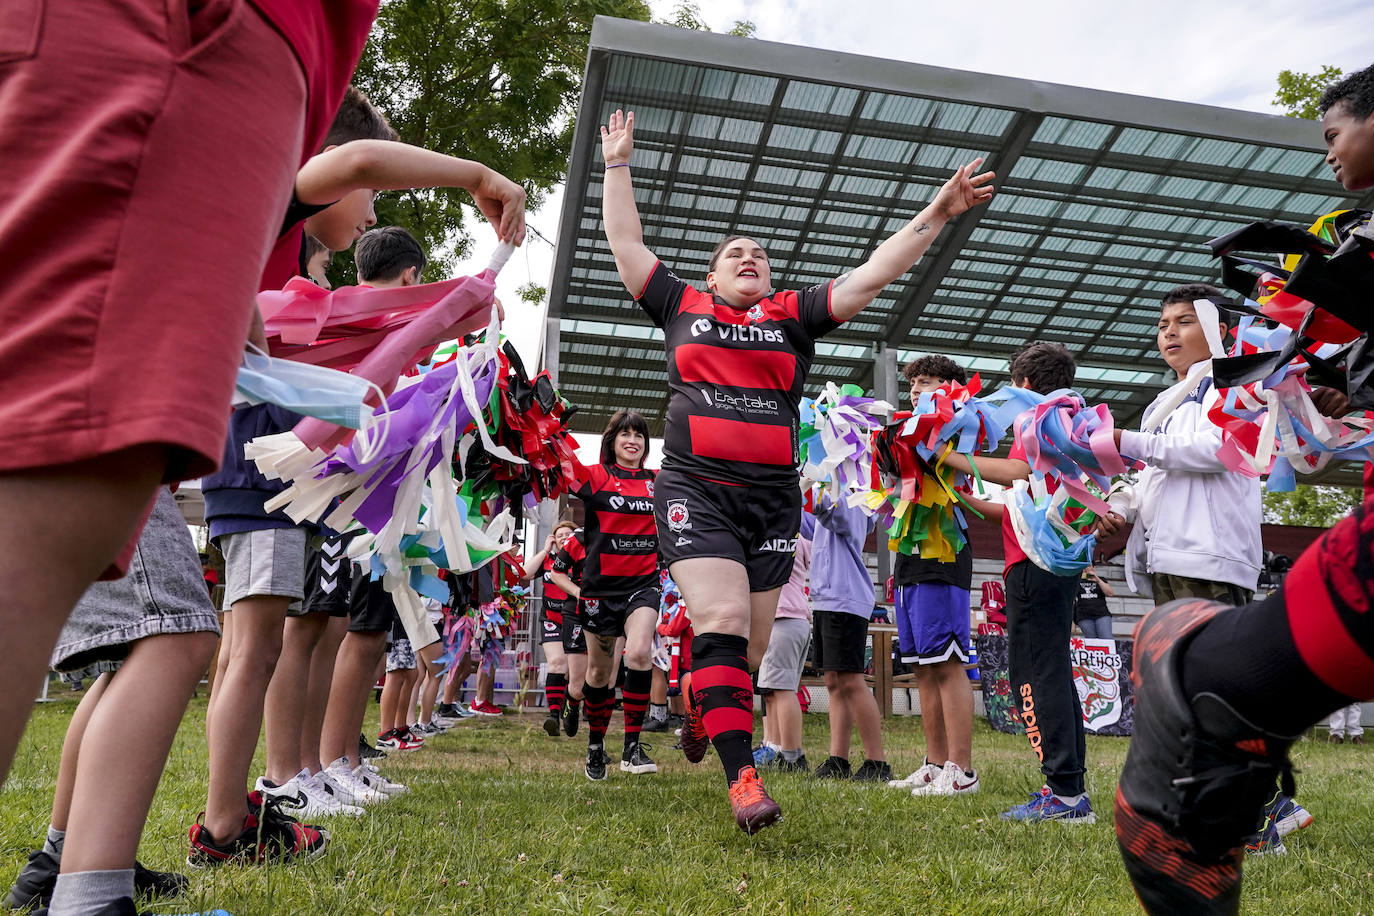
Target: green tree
687,15
1298,93
493,80
1314,506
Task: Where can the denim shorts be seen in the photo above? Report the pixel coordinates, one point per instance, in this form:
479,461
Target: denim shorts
164,593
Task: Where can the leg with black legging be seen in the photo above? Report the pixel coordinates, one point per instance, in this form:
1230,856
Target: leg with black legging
1223,692
1039,618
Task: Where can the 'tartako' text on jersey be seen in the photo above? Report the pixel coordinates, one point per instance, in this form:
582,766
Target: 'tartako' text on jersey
736,377
619,535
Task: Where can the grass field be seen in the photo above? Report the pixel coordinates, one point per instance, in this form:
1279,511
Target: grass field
501,820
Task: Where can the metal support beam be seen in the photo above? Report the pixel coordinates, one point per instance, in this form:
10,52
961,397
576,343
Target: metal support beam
885,389
952,244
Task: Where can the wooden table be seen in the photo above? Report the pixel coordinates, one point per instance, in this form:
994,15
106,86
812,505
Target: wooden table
882,634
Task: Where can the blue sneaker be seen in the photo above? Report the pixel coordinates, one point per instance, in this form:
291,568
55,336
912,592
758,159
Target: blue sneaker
765,756
1046,806
1287,815
1269,840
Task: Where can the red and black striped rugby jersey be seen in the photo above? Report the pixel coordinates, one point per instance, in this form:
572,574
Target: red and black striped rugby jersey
618,534
572,557
553,592
735,378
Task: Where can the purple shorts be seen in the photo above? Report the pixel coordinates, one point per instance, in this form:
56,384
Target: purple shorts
932,623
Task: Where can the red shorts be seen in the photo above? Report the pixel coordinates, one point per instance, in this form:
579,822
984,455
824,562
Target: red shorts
148,160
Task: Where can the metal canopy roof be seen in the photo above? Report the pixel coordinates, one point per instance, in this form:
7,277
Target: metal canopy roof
1103,203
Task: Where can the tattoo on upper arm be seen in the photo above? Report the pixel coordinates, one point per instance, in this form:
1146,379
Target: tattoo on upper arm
923,228
841,278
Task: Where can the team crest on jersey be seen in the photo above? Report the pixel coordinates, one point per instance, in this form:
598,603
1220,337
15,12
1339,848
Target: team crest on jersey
755,312
649,487
678,517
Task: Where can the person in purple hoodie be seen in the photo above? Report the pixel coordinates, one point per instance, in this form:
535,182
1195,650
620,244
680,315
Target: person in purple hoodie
842,599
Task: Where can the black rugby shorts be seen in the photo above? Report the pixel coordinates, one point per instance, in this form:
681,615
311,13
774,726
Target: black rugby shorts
754,526
574,638
606,616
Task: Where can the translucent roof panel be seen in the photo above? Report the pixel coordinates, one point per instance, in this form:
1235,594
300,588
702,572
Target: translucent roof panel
1103,203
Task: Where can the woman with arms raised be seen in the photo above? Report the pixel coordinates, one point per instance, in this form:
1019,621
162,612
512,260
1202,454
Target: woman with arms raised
726,500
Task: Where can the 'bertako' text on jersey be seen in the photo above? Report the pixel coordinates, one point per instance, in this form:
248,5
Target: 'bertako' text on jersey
736,378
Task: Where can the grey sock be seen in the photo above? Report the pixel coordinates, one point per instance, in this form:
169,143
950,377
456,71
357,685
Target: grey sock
658,712
53,845
792,755
86,893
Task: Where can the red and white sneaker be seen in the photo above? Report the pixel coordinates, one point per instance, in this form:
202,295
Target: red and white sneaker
951,780
267,834
398,740
483,708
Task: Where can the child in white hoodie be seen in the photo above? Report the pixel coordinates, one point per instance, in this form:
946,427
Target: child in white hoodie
1197,524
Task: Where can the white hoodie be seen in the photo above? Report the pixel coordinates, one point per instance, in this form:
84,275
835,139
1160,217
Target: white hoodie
1192,516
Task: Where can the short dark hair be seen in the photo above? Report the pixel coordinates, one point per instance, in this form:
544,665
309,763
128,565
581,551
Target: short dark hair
382,254
313,246
358,119
1191,292
1045,366
1356,91
935,366
623,419
720,249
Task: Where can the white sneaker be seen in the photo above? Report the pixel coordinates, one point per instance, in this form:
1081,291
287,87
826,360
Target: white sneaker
321,792
443,723
351,789
951,781
917,780
293,797
373,779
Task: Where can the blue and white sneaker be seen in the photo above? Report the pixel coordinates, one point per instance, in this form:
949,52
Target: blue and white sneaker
1287,815
1046,806
765,756
1269,841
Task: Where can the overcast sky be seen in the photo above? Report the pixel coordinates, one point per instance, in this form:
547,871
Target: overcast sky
1217,52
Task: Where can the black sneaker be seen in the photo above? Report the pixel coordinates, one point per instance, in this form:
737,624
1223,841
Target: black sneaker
551,722
367,751
1196,779
833,768
637,761
151,883
35,882
571,717
596,762
656,725
873,771
792,766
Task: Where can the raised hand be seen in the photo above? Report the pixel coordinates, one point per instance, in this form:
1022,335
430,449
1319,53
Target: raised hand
964,190
618,138
502,201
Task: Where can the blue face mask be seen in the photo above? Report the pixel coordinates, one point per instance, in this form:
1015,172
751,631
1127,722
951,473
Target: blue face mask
314,391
